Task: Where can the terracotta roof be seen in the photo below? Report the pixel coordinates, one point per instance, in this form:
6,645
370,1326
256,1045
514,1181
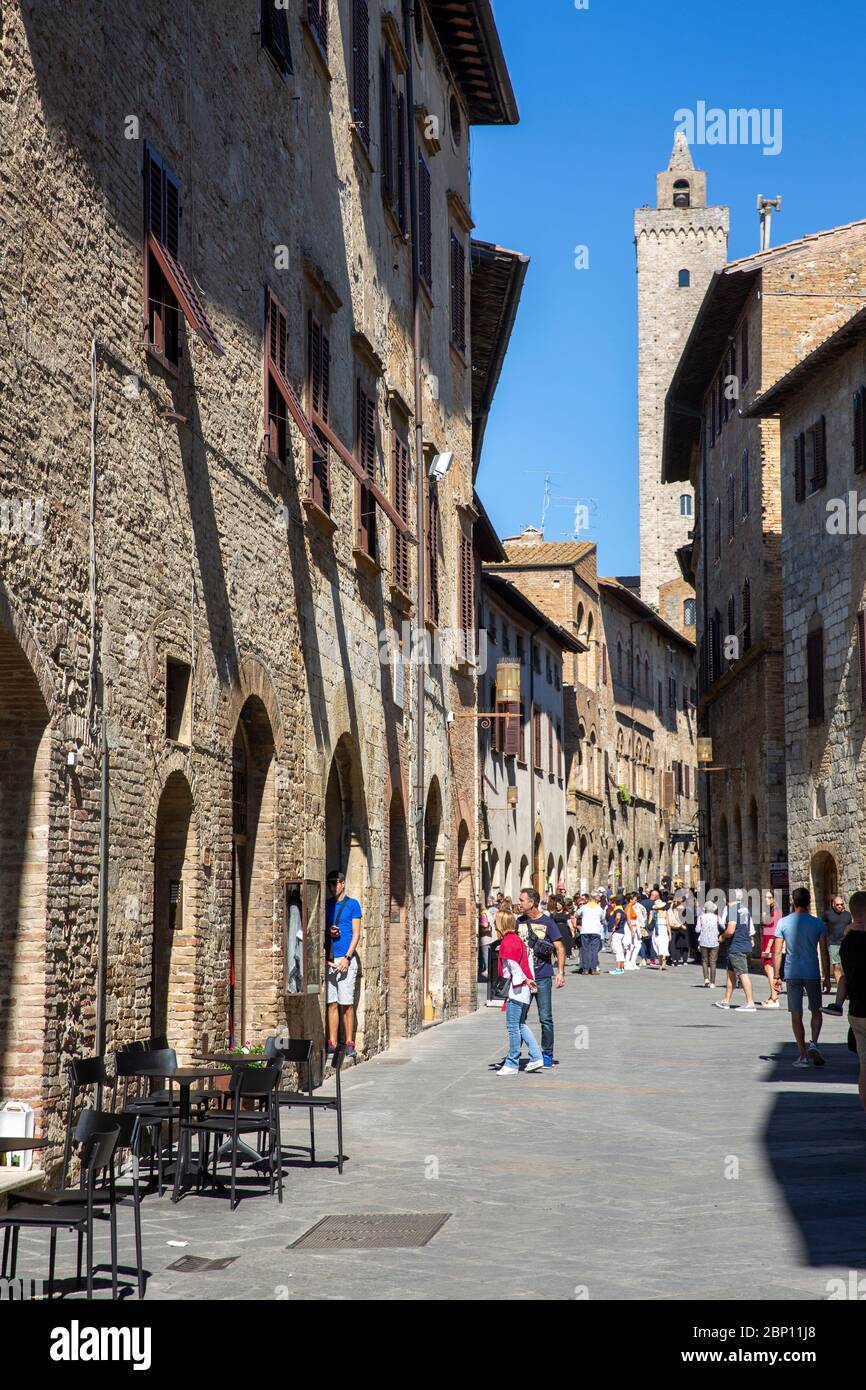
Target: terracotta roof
833,346
637,605
760,258
545,552
496,286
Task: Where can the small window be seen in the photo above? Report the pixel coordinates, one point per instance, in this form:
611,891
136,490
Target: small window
689,612
425,221
361,69
393,141
456,119
815,674
682,193
684,279
274,30
458,293
177,701
317,18
685,504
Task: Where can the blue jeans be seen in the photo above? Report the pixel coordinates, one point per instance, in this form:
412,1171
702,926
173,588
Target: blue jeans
544,1000
518,1032
589,947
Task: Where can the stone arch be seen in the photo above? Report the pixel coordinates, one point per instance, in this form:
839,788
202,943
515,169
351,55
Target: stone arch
507,877
255,961
255,679
26,701
433,949
176,900
397,954
823,879
525,880
572,876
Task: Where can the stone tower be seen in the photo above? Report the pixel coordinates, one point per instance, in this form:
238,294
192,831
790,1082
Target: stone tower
679,243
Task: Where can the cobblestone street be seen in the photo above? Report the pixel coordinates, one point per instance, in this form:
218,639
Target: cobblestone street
615,1164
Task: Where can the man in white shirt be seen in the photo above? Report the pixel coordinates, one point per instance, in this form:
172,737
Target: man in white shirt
591,919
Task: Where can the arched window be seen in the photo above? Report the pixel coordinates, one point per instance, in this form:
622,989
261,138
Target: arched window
684,279
689,611
685,504
682,193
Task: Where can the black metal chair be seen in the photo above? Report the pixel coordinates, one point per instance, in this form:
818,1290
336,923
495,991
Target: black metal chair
245,1083
90,1123
154,1109
300,1050
97,1152
84,1073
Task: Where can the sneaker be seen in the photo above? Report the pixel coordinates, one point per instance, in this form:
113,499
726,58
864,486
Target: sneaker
747,1009
508,1071
832,1009
770,1004
535,1066
801,1062
547,1061
331,1049
816,1056
720,1004
712,986
616,972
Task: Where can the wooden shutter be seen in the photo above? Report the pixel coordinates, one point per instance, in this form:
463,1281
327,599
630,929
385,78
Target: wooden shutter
536,738
402,212
317,18
860,430
467,589
458,293
815,671
365,451
550,743
744,351
386,116
521,751
401,504
513,730
274,29
744,483
604,663
800,468
163,211
361,68
559,749
432,554
819,454
747,615
425,222
731,512
686,780
319,386
861,654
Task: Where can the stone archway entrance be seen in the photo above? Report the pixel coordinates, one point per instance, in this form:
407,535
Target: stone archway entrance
346,847
25,755
433,957
825,881
538,862
175,915
254,988
398,929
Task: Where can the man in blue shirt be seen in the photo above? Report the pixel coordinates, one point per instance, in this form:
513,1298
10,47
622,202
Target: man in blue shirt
738,936
544,939
805,937
342,933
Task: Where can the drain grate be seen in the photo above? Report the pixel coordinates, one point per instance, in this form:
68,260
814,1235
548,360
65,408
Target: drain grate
196,1264
403,1230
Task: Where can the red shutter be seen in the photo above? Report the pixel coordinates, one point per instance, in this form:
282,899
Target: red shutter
276,341
432,554
521,751
549,744
467,589
361,68
365,451
319,396
513,741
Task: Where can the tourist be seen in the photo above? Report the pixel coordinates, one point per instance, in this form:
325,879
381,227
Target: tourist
853,960
557,911
515,965
342,932
485,937
620,938
541,935
738,935
637,922
708,942
837,920
679,934
661,931
590,919
772,917
805,937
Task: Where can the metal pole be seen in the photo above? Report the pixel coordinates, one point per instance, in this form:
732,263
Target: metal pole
102,917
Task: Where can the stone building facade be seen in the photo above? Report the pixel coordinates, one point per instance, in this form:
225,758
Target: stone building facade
523,753
820,409
679,243
630,751
211,407
759,317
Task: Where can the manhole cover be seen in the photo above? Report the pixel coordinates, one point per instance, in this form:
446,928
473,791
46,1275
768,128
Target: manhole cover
405,1230
195,1264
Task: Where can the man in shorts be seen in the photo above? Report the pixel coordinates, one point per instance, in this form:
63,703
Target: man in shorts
342,932
805,939
738,933
836,919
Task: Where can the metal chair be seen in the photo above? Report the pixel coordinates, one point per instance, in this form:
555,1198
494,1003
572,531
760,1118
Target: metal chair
97,1152
245,1083
84,1073
301,1050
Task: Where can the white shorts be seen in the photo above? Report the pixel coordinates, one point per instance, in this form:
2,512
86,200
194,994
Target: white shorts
341,988
620,945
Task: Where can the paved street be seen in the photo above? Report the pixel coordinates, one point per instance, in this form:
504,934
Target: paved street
608,1173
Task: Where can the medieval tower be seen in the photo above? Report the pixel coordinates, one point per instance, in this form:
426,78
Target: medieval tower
679,243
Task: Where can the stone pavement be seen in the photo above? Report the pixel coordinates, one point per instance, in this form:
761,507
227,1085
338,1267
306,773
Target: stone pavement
673,1153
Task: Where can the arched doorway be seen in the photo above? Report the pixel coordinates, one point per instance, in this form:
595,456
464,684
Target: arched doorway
25,740
254,989
524,873
507,884
433,957
560,875
398,925
572,868
175,915
722,857
347,851
538,862
825,881
467,920
550,873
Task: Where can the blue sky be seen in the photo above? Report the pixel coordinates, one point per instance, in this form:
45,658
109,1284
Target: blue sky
598,89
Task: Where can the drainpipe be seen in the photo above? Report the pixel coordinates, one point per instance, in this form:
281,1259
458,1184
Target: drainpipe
532,637
96,695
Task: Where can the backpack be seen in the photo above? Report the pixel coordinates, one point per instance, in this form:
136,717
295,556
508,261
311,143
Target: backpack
537,941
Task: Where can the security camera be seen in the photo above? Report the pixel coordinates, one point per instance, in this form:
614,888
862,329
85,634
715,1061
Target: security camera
440,466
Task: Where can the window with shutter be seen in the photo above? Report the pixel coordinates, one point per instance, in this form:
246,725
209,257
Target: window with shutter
861,654
317,18
815,674
425,222
747,615
536,739
281,400
521,752
274,30
400,467
860,430
604,663
800,468
744,484
559,749
319,397
388,132
458,293
433,543
686,780
550,745
744,352
467,595
717,508
361,69
818,449
716,647
168,290
512,729
731,510
365,453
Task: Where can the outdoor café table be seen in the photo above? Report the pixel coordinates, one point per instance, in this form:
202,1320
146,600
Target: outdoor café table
184,1078
232,1059
11,1145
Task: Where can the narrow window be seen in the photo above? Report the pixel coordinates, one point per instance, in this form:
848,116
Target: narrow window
685,504
815,674
731,512
732,619
747,615
717,506
400,466
458,293
433,541
683,280
744,484
860,430
861,654
467,595
800,468
425,222
274,30
319,397
177,701
536,741
817,437
365,453
361,69
682,193
689,612
317,18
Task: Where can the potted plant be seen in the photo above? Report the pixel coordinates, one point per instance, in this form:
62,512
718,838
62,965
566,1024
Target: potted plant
624,796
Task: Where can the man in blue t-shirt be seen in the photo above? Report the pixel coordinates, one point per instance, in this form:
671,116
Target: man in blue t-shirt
805,938
544,939
738,933
342,933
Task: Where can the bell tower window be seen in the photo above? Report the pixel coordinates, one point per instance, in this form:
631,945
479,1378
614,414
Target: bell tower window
682,193
684,279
